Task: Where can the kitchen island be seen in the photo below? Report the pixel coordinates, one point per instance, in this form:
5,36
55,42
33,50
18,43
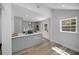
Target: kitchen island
23,41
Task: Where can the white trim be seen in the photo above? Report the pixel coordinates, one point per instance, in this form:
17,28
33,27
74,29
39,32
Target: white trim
67,19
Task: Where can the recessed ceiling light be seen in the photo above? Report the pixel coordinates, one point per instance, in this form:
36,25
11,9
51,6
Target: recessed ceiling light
63,5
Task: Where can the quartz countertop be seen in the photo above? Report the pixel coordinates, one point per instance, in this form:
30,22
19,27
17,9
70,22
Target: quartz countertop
22,35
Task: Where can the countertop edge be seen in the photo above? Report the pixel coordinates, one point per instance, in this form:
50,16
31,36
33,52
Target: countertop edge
26,35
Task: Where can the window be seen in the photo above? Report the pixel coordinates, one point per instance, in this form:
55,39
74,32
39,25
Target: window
68,25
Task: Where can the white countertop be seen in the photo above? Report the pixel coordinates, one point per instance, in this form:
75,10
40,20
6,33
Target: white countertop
22,35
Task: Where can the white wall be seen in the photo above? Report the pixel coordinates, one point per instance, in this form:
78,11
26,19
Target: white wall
6,29
18,24
70,40
0,25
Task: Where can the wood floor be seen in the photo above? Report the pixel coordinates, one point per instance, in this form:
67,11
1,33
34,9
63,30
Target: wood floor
0,52
40,49
69,51
44,48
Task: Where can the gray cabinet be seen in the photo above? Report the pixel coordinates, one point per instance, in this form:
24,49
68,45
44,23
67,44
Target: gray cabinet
26,42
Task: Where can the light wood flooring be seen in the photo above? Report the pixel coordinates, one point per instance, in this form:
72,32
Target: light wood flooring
44,48
0,52
40,49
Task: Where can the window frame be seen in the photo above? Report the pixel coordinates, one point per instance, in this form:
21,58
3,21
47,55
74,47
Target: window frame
70,20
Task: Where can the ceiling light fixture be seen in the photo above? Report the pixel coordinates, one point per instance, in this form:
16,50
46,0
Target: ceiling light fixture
63,5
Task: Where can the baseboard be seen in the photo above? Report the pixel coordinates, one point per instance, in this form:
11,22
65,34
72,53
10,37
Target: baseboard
64,45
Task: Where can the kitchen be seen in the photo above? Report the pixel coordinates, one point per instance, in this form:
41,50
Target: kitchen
28,25
25,36
27,30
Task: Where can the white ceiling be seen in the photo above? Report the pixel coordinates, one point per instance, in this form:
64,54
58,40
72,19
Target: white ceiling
42,12
43,9
72,6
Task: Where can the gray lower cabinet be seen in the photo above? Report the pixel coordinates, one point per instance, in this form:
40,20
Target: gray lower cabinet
26,42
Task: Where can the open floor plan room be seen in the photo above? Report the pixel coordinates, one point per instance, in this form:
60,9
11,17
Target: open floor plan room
39,29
